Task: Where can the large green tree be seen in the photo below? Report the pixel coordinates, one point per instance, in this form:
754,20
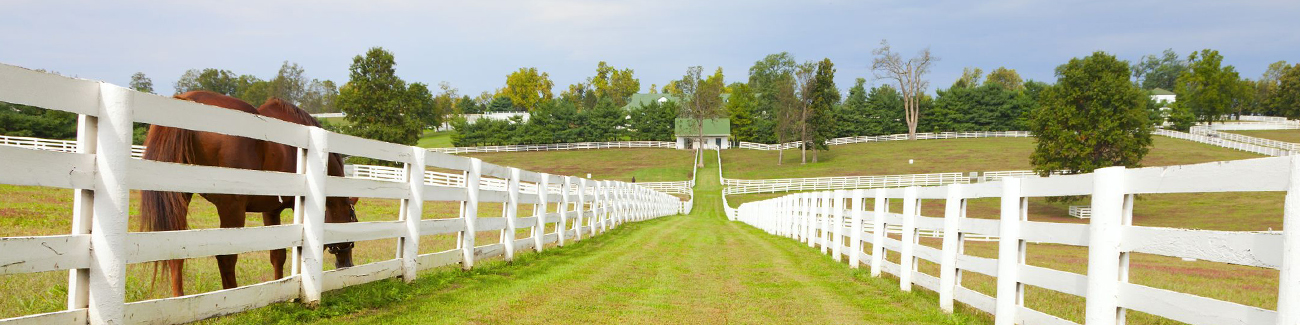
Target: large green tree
767,77
824,96
220,81
1007,78
1208,88
1159,71
377,103
527,88
1093,117
141,83
1286,100
740,109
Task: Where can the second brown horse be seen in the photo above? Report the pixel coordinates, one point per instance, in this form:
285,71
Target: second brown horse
165,211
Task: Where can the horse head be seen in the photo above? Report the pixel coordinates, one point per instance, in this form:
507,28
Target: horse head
340,210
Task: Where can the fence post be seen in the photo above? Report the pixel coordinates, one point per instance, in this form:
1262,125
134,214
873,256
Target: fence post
1104,261
954,209
837,225
859,207
83,204
107,283
581,209
414,210
472,180
1288,298
907,240
540,211
809,220
512,212
563,227
825,199
878,232
1011,253
312,253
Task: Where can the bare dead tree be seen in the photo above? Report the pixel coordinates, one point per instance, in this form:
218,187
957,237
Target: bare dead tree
909,75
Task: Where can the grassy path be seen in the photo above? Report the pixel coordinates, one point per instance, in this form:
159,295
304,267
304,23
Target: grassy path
694,269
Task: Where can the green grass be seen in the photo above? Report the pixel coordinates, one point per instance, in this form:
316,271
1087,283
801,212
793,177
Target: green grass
692,269
645,164
1292,136
1251,286
435,139
938,156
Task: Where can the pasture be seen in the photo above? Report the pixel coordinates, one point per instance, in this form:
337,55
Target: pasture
936,156
692,269
1250,211
1292,136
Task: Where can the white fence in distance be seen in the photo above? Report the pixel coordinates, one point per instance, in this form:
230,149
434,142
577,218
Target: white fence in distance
815,218
1209,131
892,137
1267,151
102,171
559,146
735,186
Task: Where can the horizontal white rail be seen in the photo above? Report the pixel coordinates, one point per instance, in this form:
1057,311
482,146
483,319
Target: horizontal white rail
735,186
1267,151
103,174
892,137
559,146
820,219
1208,131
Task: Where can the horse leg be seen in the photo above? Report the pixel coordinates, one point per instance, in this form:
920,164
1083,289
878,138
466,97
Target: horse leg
272,218
232,216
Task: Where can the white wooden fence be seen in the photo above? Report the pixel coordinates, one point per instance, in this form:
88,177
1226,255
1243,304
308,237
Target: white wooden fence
816,219
559,146
1268,151
54,145
892,137
735,186
102,174
1208,131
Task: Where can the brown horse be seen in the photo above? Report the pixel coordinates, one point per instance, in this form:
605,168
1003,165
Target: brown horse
165,211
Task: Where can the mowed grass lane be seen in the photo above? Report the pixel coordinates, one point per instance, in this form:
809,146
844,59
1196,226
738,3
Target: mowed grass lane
693,269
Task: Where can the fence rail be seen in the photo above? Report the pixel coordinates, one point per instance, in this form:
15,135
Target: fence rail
734,186
892,137
1208,131
102,173
817,219
1267,151
559,146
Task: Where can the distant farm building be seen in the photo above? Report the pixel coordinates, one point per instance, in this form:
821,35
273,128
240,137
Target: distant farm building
716,133
1163,96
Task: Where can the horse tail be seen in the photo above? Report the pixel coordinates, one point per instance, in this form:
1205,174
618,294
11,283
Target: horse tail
164,211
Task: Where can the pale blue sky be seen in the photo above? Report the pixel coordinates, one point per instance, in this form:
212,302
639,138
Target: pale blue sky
473,46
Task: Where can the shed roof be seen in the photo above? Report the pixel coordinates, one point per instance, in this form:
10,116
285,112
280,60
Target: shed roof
712,127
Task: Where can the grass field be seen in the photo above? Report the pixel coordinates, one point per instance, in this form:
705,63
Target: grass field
937,156
693,269
1292,136
645,164
435,139
33,211
1215,211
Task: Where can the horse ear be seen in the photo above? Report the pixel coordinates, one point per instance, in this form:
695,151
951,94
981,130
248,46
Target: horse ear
353,200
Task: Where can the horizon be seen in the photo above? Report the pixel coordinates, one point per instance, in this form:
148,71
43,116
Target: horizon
474,46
